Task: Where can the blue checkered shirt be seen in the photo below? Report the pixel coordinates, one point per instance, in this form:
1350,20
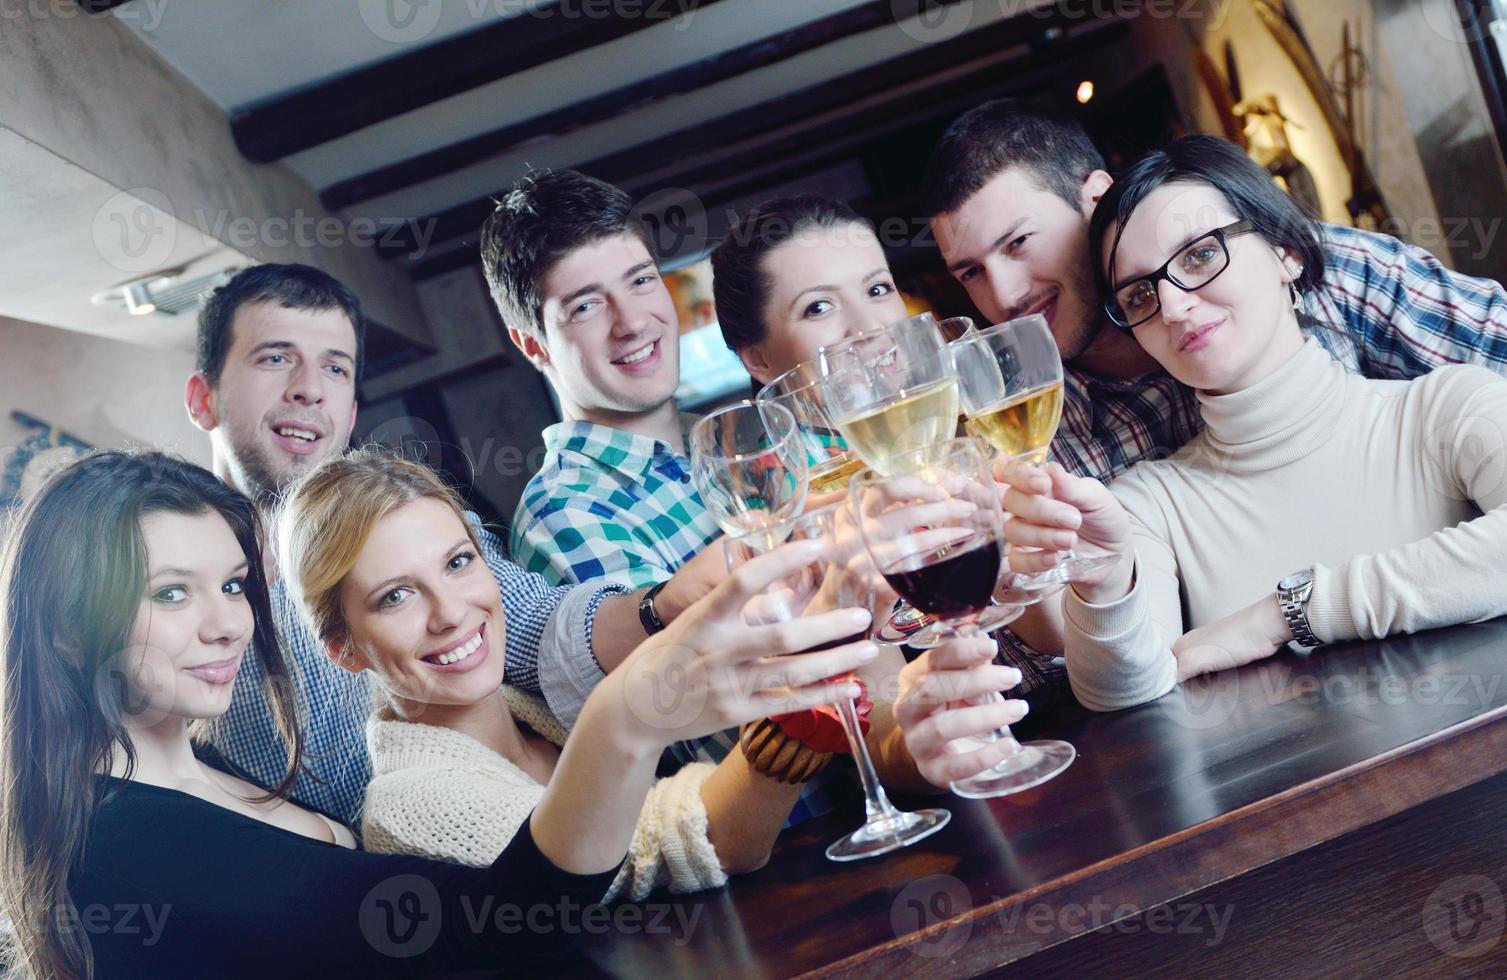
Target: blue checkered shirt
609,506
613,506
1400,314
334,704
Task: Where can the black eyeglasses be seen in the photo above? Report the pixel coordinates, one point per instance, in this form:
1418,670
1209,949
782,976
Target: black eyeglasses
1196,264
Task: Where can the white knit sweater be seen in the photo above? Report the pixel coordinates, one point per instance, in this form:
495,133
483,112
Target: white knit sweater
1393,490
442,794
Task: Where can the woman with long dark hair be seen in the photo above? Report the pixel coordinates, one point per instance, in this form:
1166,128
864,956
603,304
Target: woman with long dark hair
1316,506
132,588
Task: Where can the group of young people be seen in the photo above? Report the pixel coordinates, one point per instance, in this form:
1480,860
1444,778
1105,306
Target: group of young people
208,681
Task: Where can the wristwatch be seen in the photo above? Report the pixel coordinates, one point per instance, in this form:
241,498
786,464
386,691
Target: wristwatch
1292,596
647,614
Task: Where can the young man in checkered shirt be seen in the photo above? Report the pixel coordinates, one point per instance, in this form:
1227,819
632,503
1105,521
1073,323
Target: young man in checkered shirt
570,268
1010,189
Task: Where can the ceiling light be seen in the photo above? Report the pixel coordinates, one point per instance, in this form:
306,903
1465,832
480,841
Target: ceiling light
139,299
1085,92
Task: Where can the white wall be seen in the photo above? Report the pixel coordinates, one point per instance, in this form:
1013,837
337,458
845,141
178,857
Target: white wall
106,392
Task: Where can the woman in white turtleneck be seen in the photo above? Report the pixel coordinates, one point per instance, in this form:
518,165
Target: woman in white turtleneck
1391,493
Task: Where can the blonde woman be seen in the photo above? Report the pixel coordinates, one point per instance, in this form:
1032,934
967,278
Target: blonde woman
386,570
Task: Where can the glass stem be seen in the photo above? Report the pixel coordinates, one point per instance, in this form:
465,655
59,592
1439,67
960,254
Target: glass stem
970,629
876,804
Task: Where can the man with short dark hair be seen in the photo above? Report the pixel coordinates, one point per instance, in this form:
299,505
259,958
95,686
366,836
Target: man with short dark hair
288,340
1010,189
571,270
280,351
573,276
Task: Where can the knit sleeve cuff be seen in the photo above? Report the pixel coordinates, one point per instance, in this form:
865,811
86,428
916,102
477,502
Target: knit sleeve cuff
672,844
1329,613
1109,620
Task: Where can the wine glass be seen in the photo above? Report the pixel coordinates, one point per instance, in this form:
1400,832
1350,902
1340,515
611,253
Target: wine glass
843,578
749,466
955,327
935,530
1010,383
890,391
829,464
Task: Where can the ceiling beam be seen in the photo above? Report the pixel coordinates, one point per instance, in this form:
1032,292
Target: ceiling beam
272,129
607,105
769,117
727,179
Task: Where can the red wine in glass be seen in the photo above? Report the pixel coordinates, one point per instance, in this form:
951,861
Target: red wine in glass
950,582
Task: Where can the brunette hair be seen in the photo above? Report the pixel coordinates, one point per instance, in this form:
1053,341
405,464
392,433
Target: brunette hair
292,286
1220,164
547,215
740,286
72,578
991,138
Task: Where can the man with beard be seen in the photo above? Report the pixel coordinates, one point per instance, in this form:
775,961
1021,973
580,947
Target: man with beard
279,360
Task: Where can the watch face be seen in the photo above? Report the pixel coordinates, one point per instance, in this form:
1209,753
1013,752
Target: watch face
1296,580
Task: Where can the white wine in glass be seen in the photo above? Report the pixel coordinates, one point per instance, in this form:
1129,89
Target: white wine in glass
1010,380
914,418
1021,425
891,391
829,463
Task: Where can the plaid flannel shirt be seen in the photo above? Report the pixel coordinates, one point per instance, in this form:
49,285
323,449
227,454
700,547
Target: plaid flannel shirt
612,506
334,704
1401,314
609,506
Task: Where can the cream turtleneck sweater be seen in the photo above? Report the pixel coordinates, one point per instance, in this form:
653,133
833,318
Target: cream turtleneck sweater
1392,490
442,794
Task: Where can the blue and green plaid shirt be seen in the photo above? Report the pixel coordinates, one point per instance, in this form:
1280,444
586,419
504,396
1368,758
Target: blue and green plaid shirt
1404,314
609,506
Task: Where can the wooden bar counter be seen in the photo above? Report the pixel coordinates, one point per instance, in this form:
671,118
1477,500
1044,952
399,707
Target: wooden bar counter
1339,813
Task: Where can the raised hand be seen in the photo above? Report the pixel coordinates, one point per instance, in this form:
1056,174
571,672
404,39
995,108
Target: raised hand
1053,510
722,663
946,709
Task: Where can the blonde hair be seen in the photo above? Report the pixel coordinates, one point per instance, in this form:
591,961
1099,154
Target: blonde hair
328,517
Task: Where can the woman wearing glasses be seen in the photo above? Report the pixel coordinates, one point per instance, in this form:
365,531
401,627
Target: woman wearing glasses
1317,506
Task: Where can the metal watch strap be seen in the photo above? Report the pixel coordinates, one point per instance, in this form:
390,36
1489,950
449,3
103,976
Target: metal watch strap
647,614
1294,603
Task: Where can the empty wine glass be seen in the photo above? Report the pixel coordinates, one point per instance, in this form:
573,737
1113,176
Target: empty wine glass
935,530
749,466
844,578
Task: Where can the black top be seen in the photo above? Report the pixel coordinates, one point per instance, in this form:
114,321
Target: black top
175,886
